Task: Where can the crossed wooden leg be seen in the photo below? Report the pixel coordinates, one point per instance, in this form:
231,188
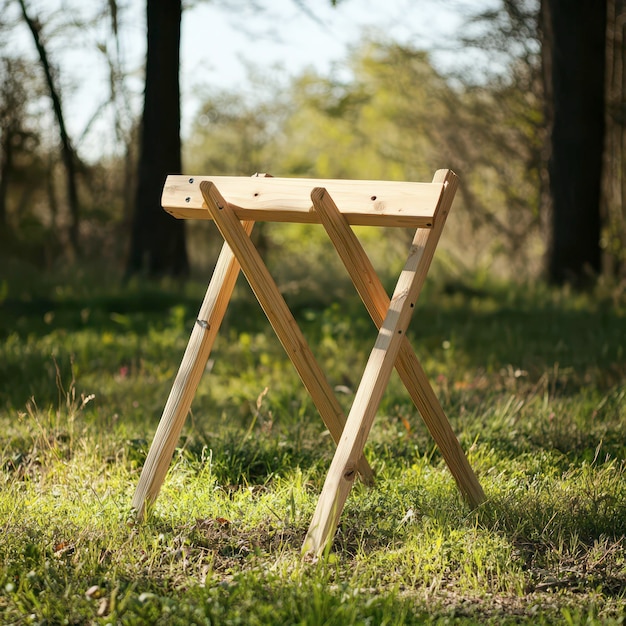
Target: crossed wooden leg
189,373
280,318
376,302
391,347
201,343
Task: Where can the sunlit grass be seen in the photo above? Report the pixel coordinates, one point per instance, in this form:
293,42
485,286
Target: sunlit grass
532,380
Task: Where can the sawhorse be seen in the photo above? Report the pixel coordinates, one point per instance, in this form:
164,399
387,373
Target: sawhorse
235,203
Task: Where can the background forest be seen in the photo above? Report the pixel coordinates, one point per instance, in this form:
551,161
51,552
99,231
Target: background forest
542,179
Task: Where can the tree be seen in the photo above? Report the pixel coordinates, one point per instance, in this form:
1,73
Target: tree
158,240
572,40
67,151
574,58
396,117
12,131
401,116
232,133
614,189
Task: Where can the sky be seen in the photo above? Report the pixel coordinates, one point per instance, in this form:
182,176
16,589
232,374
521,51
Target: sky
218,42
288,36
222,40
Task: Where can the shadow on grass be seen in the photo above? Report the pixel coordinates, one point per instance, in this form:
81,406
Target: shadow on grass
568,531
453,334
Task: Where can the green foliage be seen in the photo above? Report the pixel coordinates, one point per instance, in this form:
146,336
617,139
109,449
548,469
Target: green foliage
533,382
385,113
392,116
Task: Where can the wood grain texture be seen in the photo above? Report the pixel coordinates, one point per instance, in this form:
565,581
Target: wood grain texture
376,375
189,374
383,203
336,204
280,318
376,301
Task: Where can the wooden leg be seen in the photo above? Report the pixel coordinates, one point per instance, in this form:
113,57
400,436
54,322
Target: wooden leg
409,368
375,378
189,373
281,319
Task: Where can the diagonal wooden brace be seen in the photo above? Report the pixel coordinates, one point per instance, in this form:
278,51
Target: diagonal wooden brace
280,318
375,378
189,373
376,301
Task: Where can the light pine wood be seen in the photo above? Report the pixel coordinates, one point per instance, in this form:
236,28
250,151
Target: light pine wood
336,204
189,373
374,203
409,368
280,318
341,474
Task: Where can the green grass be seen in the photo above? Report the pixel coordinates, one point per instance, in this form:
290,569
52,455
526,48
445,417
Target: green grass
531,378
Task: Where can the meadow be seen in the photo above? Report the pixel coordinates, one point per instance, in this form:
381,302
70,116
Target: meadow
532,379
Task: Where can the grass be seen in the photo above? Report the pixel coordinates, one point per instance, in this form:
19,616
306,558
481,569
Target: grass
533,382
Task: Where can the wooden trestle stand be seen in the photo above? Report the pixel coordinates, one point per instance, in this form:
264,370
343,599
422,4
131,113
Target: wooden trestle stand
235,203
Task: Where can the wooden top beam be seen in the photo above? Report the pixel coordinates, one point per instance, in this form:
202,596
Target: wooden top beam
363,202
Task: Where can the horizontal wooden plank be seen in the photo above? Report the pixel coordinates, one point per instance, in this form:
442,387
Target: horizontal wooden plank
363,202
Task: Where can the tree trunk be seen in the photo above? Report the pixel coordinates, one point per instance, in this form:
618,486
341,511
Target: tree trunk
614,191
576,76
67,151
6,167
158,240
